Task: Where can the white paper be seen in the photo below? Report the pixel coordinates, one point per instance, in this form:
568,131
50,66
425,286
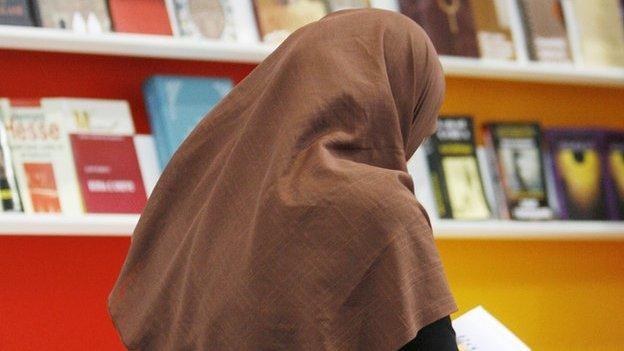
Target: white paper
477,330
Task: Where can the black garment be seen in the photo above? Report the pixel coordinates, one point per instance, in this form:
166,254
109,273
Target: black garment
437,336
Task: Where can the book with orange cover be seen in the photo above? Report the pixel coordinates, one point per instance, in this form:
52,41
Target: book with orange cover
140,16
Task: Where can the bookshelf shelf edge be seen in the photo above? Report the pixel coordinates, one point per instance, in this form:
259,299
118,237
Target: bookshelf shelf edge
155,46
123,225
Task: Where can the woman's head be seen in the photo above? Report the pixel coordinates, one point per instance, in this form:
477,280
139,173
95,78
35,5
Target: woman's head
380,59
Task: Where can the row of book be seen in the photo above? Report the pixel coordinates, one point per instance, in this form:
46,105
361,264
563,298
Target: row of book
523,173
589,33
73,156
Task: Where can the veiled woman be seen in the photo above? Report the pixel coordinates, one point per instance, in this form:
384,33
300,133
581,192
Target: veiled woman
287,219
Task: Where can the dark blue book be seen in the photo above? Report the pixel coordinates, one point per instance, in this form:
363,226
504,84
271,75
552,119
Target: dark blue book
176,104
16,13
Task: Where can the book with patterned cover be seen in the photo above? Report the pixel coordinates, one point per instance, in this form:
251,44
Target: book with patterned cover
82,16
42,160
449,23
545,30
211,19
578,169
515,153
454,170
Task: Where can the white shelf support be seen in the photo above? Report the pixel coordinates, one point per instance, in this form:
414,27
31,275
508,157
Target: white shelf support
156,46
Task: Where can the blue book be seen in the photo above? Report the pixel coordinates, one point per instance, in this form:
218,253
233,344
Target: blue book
176,104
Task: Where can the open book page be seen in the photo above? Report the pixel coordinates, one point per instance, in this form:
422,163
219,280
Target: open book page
477,330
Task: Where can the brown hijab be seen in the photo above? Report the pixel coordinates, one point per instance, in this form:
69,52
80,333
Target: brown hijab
287,219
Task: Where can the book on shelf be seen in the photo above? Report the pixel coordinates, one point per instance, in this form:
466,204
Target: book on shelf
545,30
418,168
449,24
212,19
175,105
102,116
515,158
140,16
478,330
337,5
16,13
614,155
494,29
148,160
38,139
277,19
9,194
108,173
455,176
41,159
597,29
81,16
577,165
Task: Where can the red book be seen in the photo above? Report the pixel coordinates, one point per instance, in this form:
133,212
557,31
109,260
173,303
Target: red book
109,173
140,16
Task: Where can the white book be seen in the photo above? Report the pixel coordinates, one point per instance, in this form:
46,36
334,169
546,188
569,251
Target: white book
148,161
477,330
596,31
42,161
100,116
418,168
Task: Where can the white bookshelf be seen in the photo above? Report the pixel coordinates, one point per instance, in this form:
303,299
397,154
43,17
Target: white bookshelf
123,225
138,45
87,225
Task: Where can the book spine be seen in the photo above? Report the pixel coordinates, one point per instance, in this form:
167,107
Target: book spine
419,170
35,11
8,186
556,198
153,105
487,179
436,174
496,180
148,161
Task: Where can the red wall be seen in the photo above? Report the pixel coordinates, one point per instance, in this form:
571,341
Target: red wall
53,290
